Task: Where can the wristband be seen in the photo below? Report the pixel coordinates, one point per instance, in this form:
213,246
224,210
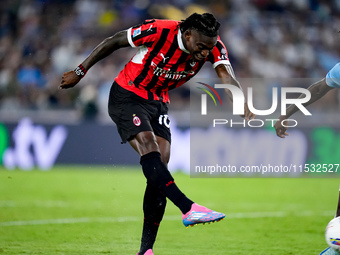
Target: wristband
80,71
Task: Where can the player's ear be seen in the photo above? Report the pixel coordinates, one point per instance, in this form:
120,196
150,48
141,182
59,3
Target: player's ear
187,34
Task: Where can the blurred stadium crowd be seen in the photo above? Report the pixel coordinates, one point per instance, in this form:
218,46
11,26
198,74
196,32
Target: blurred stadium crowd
41,39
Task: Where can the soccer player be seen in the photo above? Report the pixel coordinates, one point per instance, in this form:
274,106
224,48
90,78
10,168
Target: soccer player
169,54
317,90
329,251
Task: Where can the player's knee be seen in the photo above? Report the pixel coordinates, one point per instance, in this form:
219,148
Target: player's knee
146,142
165,159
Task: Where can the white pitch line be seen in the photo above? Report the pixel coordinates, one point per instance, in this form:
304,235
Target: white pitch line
251,215
69,221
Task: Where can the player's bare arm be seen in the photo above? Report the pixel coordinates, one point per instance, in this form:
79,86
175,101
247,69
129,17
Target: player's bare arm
226,74
104,49
317,90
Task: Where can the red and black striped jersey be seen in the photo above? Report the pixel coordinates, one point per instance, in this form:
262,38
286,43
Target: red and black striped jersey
162,63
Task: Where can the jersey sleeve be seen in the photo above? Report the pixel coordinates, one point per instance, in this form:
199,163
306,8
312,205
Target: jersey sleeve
143,34
333,77
219,54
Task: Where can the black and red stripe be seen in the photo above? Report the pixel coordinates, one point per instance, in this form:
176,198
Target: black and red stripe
162,63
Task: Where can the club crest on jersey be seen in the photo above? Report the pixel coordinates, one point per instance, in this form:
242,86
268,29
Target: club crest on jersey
193,63
137,32
136,120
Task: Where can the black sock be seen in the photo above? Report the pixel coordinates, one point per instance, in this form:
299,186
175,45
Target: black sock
159,176
149,236
153,206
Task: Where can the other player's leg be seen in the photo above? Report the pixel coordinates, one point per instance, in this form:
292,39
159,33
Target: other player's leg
329,251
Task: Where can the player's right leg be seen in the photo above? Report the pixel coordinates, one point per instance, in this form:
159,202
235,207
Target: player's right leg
197,214
156,172
158,175
200,214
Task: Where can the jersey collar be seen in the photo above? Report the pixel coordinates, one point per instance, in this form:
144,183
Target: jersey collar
180,42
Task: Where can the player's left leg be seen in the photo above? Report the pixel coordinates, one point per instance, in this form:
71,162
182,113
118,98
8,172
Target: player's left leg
154,204
153,207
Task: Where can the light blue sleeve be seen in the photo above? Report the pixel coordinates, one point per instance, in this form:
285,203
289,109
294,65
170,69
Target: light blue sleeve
333,77
329,251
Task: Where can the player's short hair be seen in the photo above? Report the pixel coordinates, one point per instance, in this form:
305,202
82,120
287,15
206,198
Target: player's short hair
205,24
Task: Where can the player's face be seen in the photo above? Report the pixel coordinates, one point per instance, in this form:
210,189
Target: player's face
199,46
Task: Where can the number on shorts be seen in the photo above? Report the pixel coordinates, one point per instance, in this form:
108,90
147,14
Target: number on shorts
164,119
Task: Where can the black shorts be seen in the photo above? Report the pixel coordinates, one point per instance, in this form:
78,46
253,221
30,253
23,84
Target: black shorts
133,114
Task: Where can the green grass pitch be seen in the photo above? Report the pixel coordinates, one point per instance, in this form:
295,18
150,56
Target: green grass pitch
98,210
